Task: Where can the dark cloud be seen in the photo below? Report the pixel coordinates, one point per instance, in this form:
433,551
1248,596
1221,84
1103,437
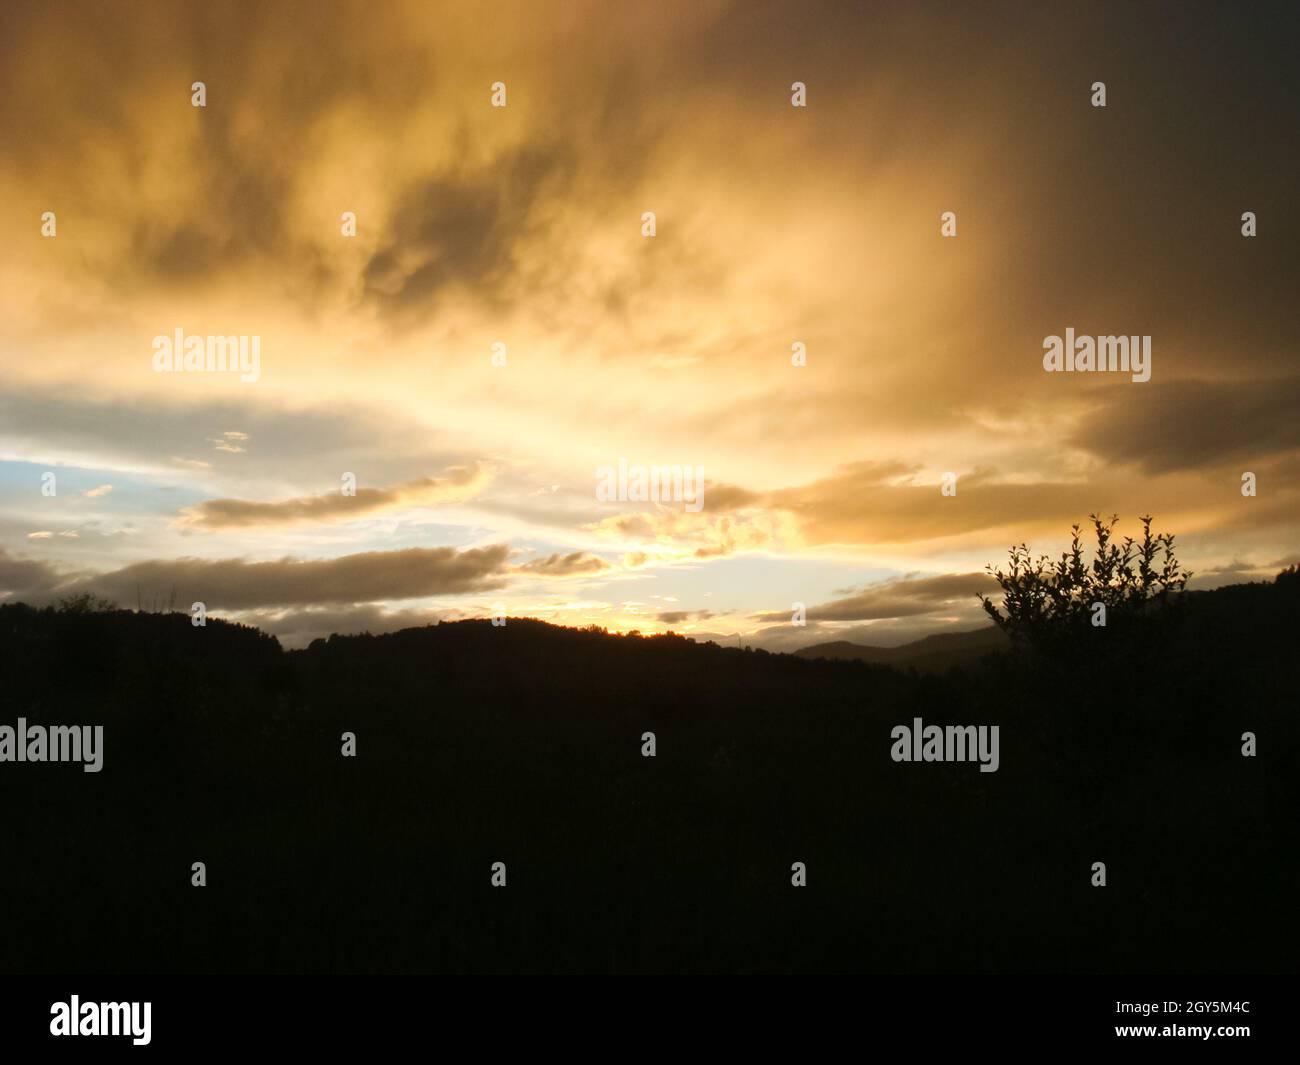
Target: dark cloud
678,617
238,159
1183,425
901,597
576,564
730,497
233,584
462,229
25,577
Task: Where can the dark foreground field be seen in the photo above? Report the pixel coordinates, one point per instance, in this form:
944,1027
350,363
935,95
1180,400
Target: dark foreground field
522,745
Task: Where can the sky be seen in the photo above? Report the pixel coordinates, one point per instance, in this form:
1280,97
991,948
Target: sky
500,327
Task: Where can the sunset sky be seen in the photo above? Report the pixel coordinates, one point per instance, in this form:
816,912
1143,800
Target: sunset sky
775,225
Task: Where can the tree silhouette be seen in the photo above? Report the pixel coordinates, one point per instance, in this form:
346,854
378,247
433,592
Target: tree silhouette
1045,602
85,603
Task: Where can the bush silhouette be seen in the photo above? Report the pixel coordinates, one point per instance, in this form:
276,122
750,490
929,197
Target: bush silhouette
1047,604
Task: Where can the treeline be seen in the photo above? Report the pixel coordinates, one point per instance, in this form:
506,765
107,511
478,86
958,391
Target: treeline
524,744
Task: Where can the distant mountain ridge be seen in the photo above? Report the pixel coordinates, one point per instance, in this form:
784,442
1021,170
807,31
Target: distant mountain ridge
929,654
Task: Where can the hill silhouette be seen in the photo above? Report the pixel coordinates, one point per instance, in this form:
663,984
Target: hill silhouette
523,744
929,654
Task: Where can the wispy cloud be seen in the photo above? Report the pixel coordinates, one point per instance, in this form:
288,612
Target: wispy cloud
456,485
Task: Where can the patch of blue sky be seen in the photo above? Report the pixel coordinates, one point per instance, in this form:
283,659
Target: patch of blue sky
131,494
